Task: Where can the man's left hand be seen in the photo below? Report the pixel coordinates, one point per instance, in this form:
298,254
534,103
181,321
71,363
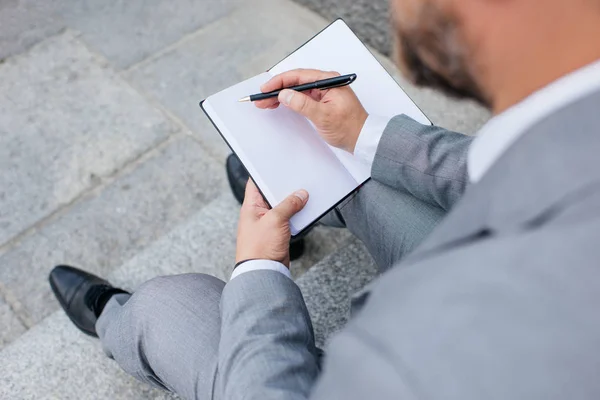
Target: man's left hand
264,234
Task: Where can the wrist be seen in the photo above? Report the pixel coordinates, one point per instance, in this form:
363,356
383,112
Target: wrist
246,257
361,119
240,263
369,138
260,265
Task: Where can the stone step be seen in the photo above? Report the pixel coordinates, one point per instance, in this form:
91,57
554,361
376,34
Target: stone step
92,173
54,360
329,285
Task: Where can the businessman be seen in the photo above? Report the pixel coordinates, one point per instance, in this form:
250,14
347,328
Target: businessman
499,301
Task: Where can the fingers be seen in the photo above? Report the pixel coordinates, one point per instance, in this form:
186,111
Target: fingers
292,78
301,103
292,205
272,104
253,198
296,77
269,104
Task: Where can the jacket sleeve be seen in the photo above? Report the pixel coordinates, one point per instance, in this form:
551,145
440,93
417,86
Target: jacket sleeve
426,161
267,348
357,368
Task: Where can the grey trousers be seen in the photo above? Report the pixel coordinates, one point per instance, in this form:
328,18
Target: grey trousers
167,333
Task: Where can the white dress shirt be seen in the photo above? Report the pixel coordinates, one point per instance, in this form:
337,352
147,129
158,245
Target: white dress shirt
492,140
495,137
261,264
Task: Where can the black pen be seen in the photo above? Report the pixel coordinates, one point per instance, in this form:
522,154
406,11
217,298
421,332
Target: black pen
330,83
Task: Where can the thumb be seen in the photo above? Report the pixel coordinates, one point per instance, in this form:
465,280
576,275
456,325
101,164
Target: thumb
300,103
292,205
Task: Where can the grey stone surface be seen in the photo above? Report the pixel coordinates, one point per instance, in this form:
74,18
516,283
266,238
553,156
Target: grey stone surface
295,25
127,31
24,23
56,361
328,287
321,242
249,41
368,18
54,352
11,327
106,229
206,242
66,119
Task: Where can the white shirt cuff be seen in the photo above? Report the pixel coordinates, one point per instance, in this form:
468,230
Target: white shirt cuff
369,138
256,265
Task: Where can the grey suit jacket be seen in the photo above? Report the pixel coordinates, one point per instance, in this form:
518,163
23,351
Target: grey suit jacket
500,302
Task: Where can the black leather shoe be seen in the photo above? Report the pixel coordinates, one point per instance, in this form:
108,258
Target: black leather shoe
81,295
238,177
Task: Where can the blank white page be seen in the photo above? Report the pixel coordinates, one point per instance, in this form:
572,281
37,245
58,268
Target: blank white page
338,49
281,150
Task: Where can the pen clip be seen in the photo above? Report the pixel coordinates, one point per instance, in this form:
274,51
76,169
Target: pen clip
350,80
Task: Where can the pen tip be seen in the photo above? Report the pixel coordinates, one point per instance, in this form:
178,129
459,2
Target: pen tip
244,99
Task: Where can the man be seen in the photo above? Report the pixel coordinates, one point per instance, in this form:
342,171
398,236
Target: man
498,302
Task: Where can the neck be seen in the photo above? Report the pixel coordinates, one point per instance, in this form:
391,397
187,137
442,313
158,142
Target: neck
542,62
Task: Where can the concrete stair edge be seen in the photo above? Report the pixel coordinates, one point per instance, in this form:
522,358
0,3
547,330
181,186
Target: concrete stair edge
54,360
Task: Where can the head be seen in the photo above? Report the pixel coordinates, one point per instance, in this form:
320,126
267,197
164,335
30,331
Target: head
494,51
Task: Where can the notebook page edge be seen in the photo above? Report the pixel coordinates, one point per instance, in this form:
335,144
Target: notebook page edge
276,67
232,142
341,21
358,181
261,185
238,151
355,171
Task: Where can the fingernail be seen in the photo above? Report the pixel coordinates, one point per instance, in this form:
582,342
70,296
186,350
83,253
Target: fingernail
286,96
302,195
262,87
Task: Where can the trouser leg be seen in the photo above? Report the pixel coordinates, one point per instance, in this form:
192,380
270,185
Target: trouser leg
390,223
167,333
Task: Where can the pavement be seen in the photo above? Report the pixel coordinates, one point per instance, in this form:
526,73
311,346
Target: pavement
369,19
107,163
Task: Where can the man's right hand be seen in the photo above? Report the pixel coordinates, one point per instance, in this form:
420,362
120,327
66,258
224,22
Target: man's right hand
337,113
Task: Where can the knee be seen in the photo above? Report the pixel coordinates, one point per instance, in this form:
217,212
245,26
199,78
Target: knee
162,296
145,337
169,286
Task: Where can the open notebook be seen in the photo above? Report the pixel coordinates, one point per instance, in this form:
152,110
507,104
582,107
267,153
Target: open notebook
282,151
